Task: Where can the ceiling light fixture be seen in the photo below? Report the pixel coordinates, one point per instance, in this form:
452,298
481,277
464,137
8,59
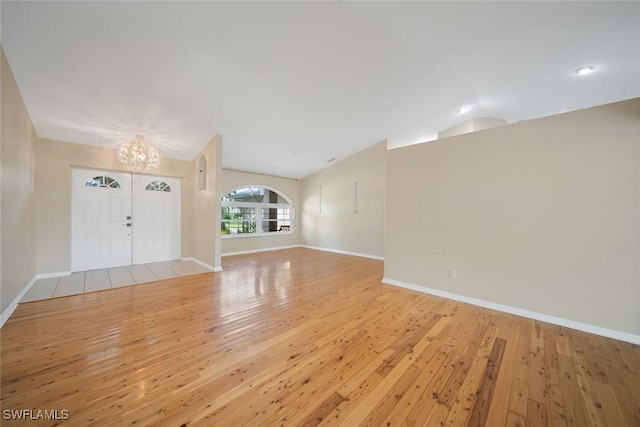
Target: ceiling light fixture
138,155
586,70
463,110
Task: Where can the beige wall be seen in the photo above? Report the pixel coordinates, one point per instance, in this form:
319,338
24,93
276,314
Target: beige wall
17,191
205,213
289,187
362,232
541,215
54,160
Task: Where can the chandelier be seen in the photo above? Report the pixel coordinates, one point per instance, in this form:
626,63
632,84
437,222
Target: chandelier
138,155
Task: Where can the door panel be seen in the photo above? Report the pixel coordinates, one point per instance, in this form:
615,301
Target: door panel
157,220
101,201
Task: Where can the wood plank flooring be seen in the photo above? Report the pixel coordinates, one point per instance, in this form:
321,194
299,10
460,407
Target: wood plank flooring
303,338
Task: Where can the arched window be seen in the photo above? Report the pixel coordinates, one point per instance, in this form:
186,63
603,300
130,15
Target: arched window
102,181
158,186
256,211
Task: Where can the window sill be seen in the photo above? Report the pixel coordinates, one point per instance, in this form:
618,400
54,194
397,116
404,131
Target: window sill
245,235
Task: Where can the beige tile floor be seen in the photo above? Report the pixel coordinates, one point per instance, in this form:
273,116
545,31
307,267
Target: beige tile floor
98,280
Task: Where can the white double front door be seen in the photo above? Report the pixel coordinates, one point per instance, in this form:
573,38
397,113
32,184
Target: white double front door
119,218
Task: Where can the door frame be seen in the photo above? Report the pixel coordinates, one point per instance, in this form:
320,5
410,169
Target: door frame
132,209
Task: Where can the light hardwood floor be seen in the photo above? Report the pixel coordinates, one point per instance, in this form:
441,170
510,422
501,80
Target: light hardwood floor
300,338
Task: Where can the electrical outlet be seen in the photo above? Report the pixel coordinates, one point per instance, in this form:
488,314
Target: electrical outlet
452,273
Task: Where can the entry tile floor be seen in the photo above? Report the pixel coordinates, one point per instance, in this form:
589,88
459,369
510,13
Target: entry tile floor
98,280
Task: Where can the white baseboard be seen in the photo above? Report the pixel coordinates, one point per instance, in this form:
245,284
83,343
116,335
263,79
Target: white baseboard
338,251
14,304
50,275
316,248
584,327
253,251
204,264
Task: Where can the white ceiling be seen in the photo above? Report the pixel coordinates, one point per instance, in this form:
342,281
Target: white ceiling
291,85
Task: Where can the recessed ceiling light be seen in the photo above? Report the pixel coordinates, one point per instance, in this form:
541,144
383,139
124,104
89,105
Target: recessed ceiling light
586,70
464,110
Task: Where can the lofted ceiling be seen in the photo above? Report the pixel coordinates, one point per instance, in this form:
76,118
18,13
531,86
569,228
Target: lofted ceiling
291,85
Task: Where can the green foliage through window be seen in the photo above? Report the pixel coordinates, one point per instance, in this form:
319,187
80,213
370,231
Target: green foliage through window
255,210
102,182
158,186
